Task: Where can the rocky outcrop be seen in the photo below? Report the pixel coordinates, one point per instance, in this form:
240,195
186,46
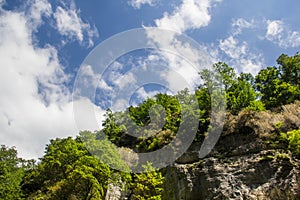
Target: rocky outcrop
263,175
243,164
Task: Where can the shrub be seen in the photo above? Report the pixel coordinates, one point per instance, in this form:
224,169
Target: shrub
293,140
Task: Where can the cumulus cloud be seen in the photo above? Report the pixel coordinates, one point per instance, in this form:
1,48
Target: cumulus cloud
239,24
71,25
183,59
232,47
35,104
173,58
240,56
274,28
280,34
138,3
237,47
275,31
191,14
91,79
37,9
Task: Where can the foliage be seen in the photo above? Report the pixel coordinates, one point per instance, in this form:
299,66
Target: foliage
161,114
148,185
279,125
241,95
102,149
290,68
293,140
280,85
256,105
11,173
67,170
239,89
111,129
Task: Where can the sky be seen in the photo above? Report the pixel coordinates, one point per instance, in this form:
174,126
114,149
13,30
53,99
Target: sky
45,47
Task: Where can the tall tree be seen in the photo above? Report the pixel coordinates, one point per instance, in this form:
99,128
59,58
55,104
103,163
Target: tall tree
280,85
11,173
66,171
239,89
290,68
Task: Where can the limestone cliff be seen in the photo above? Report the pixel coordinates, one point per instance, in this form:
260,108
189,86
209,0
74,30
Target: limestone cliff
244,164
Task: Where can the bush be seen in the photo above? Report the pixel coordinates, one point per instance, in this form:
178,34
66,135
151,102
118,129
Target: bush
256,106
148,185
293,140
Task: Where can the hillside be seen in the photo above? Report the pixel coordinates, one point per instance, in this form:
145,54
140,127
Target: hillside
256,156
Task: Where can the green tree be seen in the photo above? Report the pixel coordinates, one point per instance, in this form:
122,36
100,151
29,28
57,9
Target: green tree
105,151
11,173
148,185
241,94
280,85
290,68
239,89
67,171
225,74
160,115
111,128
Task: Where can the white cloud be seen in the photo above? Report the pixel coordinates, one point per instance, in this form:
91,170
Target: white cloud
87,115
280,34
191,14
251,64
240,56
275,31
138,3
244,57
232,48
184,60
34,105
239,24
91,79
38,9
181,73
117,79
274,28
123,80
124,85
71,25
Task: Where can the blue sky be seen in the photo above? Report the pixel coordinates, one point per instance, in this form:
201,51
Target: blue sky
44,43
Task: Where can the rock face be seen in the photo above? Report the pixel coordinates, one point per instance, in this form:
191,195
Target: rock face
253,176
117,191
242,165
114,192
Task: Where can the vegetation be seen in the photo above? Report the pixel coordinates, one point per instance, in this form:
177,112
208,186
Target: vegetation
280,85
148,185
292,139
11,173
68,169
